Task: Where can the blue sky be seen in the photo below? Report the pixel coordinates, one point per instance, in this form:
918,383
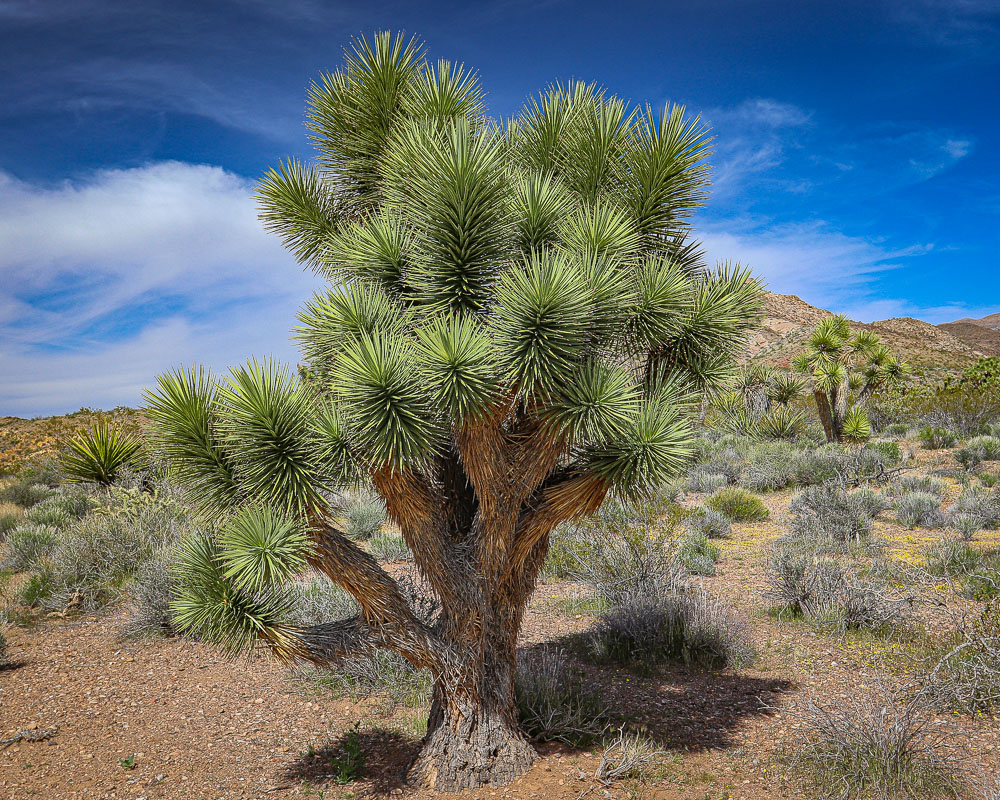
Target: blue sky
855,162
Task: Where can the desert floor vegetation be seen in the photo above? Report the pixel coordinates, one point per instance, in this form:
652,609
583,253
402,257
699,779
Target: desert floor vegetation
832,648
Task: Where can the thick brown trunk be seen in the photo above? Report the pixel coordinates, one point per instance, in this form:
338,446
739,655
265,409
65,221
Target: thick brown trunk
473,737
825,415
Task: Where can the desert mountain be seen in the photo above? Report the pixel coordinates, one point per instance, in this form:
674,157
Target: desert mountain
980,334
932,350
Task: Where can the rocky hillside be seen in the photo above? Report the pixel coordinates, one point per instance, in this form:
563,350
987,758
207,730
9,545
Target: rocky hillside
932,350
979,334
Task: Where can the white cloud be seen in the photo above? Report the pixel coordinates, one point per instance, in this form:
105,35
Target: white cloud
82,260
821,265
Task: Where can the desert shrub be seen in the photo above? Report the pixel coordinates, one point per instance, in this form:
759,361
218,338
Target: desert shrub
47,514
318,600
365,517
567,550
27,544
738,505
965,525
977,450
813,467
953,558
916,483
553,704
40,585
700,480
796,581
697,554
890,450
882,743
680,624
978,502
150,595
708,522
919,510
934,437
384,674
767,474
24,494
4,651
389,547
821,591
967,677
870,502
989,479
625,552
897,429
99,455
97,556
10,518
830,518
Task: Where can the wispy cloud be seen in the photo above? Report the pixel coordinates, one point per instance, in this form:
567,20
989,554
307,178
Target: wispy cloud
818,263
110,280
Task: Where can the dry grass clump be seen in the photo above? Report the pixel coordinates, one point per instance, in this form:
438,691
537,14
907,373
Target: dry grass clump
553,704
627,756
881,742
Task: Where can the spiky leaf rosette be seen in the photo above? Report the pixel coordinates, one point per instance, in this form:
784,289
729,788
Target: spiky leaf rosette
99,455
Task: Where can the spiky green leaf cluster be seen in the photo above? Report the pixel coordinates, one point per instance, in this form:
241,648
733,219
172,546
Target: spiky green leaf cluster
100,454
537,272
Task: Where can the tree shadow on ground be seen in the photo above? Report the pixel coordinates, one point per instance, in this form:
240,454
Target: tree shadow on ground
387,754
681,708
11,665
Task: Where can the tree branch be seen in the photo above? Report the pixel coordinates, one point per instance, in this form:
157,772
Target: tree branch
383,607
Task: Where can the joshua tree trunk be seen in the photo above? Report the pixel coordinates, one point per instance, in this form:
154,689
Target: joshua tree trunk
826,415
472,733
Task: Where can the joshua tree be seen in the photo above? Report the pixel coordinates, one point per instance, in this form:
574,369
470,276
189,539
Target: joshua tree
846,371
757,403
516,324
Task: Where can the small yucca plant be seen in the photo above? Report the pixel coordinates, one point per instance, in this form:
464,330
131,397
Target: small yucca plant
99,455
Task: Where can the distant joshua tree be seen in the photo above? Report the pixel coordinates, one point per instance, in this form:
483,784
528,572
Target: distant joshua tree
847,370
517,324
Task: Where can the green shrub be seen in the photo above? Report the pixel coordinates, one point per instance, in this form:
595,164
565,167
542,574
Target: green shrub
40,586
698,554
47,514
706,522
10,518
27,544
318,600
897,429
738,505
24,494
389,547
4,651
966,525
977,450
365,517
890,450
936,438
